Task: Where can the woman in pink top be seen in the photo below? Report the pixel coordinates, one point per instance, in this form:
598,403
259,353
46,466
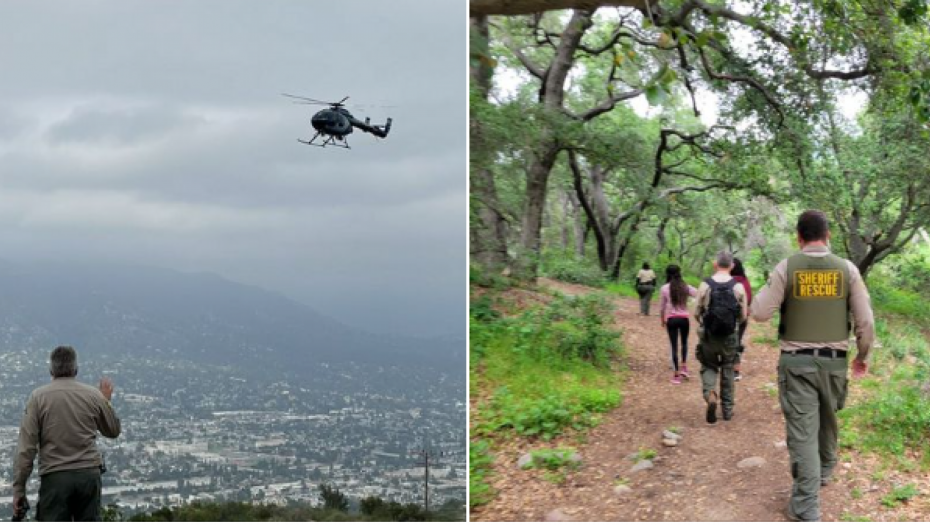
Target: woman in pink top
673,311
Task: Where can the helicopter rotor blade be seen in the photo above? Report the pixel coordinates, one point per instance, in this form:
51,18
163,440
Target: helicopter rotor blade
311,103
341,102
308,99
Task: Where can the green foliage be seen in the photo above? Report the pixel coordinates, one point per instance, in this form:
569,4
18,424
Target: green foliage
374,508
480,464
890,421
847,516
370,509
546,369
899,495
537,374
566,329
482,310
111,513
333,498
646,453
552,458
894,415
895,300
485,279
571,269
237,511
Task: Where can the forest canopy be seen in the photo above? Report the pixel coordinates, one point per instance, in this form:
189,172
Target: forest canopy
617,131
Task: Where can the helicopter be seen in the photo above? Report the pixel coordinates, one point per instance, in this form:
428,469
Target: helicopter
335,123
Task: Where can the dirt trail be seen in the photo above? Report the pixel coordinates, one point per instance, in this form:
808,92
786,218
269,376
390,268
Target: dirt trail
696,481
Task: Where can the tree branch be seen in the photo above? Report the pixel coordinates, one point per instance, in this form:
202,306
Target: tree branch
525,7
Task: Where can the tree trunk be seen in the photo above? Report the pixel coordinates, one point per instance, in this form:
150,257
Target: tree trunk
537,179
581,226
566,219
660,235
551,96
489,235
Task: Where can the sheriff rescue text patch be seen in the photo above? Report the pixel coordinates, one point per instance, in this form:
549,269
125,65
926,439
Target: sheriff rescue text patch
818,284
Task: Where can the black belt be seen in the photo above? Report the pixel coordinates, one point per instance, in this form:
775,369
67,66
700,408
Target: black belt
820,352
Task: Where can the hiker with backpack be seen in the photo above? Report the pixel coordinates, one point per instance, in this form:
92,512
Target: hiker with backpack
721,307
673,309
739,273
645,287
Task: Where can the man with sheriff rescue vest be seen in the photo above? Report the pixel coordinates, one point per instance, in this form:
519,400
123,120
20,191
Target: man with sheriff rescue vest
820,297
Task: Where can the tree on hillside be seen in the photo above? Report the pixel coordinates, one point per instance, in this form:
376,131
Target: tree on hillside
333,498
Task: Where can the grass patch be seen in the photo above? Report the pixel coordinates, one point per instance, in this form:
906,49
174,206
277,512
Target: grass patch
556,478
848,516
552,458
896,300
623,289
646,453
547,370
537,374
895,414
556,462
479,469
771,390
899,495
765,340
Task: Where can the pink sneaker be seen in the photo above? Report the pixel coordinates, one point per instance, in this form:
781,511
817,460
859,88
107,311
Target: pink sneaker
676,379
684,371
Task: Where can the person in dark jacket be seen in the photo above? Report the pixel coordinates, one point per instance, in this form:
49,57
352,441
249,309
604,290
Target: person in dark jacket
739,274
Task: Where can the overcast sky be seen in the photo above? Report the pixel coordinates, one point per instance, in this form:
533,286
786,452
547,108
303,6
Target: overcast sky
154,132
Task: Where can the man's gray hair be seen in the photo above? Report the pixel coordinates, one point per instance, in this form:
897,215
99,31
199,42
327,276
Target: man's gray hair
724,259
63,362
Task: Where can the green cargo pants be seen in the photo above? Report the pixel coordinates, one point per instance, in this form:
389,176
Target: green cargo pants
70,495
811,390
717,356
645,292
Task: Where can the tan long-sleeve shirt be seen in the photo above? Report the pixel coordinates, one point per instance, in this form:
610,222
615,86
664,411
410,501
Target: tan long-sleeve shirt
770,298
703,297
61,424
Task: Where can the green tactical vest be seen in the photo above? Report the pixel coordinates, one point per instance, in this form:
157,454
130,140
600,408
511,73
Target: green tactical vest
816,305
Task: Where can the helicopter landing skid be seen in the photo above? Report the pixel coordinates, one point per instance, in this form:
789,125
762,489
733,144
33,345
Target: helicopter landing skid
330,141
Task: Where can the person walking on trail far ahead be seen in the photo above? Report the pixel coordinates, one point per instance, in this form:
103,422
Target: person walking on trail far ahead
818,294
739,273
673,310
61,424
721,306
645,287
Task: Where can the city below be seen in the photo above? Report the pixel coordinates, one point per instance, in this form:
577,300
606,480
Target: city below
194,432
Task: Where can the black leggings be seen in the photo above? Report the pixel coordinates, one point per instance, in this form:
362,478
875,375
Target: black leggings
676,325
742,331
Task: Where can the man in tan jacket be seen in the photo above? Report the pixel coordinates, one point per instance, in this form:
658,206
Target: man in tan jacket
61,424
820,297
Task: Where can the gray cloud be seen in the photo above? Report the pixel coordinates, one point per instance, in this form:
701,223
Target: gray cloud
137,133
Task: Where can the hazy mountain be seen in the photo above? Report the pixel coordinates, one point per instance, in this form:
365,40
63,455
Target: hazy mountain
116,310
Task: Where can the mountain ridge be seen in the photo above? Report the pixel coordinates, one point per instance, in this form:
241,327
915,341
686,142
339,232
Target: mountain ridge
124,308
